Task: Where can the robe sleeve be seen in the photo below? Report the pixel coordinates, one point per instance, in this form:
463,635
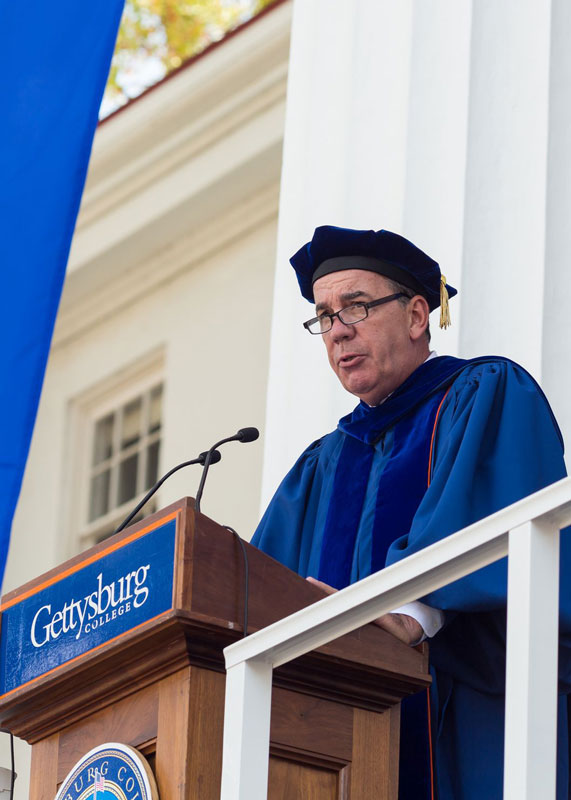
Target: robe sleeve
497,442
286,530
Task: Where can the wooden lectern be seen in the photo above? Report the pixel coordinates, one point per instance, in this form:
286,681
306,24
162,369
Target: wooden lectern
159,685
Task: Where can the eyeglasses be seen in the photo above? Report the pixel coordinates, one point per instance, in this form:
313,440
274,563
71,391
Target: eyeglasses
348,315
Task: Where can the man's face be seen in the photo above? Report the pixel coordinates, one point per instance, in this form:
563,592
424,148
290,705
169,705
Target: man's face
373,357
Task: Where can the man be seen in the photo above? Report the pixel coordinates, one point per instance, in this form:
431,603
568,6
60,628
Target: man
434,444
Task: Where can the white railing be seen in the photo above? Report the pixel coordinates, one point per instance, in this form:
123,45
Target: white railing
528,533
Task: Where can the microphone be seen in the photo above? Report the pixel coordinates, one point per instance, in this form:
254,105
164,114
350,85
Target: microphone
214,457
246,435
243,435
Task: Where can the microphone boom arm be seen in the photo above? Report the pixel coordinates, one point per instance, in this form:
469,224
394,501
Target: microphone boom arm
243,435
211,456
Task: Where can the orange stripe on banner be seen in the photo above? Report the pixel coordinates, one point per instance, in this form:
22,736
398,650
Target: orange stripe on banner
434,435
92,650
90,560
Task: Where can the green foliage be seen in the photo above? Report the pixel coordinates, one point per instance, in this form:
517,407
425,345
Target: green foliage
157,36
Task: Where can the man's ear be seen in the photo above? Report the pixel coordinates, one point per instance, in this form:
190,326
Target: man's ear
418,312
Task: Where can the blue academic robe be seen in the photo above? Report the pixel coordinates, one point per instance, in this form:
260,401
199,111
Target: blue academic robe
456,442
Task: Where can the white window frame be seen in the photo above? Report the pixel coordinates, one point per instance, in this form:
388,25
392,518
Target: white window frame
103,522
110,395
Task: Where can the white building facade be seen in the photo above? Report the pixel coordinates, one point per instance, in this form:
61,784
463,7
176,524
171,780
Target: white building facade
447,121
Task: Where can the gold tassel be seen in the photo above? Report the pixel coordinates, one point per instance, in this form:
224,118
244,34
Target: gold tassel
444,308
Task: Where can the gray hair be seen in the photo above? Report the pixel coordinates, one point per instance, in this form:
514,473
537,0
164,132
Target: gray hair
395,286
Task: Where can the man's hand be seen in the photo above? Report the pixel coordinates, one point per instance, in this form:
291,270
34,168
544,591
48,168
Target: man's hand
405,628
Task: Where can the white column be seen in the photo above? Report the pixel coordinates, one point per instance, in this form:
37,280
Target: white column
344,163
505,207
246,731
556,380
531,669
436,145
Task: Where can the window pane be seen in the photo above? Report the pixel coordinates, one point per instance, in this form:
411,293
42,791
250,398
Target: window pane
103,439
99,495
152,464
128,479
155,409
131,432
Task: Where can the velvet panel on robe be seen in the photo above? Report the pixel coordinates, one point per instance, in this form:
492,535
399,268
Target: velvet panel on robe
496,442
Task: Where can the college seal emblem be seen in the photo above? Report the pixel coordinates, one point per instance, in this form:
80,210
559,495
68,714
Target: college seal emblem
110,771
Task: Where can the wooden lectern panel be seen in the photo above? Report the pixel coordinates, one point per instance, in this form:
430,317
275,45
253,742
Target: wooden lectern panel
43,774
291,781
159,685
319,750
331,751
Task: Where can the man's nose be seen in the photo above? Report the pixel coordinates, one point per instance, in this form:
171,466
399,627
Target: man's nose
340,331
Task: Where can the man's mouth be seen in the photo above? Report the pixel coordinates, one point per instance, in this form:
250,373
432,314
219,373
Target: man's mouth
350,359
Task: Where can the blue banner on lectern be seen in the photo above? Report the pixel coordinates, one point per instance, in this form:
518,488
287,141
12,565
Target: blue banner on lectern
89,604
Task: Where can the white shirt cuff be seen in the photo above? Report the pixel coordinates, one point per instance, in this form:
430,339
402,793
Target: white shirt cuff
430,619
